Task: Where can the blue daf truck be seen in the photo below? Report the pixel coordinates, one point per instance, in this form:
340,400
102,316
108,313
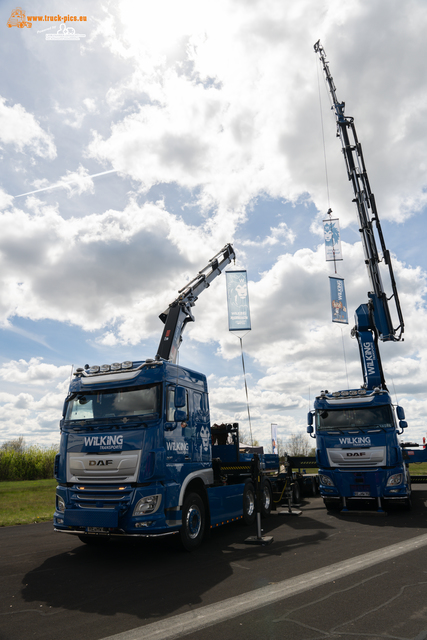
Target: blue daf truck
138,455
358,452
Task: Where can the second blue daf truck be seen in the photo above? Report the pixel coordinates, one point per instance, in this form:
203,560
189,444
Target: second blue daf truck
358,452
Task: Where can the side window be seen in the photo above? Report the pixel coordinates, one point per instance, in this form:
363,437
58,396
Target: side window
198,405
170,404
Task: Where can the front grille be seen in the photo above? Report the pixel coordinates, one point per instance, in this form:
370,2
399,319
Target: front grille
93,497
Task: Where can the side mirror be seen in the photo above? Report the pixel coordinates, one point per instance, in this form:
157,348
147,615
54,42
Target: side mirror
402,425
400,413
309,419
310,428
180,397
180,415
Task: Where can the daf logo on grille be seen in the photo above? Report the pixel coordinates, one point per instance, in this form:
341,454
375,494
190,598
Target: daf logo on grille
100,463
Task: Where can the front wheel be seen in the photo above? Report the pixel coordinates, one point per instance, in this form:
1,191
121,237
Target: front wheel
193,522
407,505
95,541
332,505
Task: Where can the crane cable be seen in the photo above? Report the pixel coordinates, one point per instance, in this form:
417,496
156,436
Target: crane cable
246,389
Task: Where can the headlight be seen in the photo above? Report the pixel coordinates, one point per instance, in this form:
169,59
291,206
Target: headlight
396,479
60,504
326,480
147,505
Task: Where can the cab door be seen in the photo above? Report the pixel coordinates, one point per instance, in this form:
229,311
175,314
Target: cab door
178,440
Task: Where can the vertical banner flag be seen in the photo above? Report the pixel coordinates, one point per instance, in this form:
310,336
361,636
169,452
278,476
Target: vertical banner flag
274,438
238,301
338,300
331,230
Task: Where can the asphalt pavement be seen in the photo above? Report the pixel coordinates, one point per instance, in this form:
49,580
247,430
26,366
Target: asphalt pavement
53,586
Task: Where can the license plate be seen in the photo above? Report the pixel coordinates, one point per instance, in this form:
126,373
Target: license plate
362,494
96,530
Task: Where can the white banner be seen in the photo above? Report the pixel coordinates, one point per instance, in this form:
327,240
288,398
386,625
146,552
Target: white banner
274,438
331,230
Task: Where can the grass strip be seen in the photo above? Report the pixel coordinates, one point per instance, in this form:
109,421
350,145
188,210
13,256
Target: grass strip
27,501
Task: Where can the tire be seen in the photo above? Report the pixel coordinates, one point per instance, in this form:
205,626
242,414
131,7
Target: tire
332,505
313,488
266,499
249,512
193,522
95,541
296,493
407,505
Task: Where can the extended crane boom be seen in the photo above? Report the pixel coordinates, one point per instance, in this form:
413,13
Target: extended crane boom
178,314
378,309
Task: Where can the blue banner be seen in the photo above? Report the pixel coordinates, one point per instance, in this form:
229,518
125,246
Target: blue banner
238,301
338,300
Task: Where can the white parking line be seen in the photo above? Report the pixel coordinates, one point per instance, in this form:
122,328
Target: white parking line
192,621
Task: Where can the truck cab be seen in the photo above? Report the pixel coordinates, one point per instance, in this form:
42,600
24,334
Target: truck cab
132,439
358,452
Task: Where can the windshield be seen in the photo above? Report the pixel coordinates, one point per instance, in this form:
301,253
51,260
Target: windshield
114,403
343,419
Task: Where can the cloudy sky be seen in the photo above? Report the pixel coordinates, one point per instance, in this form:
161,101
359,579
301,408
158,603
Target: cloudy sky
131,155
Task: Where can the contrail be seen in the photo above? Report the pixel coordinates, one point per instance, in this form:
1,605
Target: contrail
63,183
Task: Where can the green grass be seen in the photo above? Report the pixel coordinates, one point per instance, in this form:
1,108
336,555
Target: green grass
26,501
418,469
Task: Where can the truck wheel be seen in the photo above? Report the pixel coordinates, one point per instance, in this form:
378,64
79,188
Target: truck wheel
296,493
332,505
313,487
249,504
193,522
94,540
266,499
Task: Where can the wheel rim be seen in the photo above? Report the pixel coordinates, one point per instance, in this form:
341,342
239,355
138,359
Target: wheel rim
250,503
193,521
266,498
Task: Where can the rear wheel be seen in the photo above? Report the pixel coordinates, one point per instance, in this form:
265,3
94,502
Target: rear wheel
193,522
296,493
249,504
313,487
266,499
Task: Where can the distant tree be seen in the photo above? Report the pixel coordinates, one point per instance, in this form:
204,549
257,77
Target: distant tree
245,438
298,445
18,445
